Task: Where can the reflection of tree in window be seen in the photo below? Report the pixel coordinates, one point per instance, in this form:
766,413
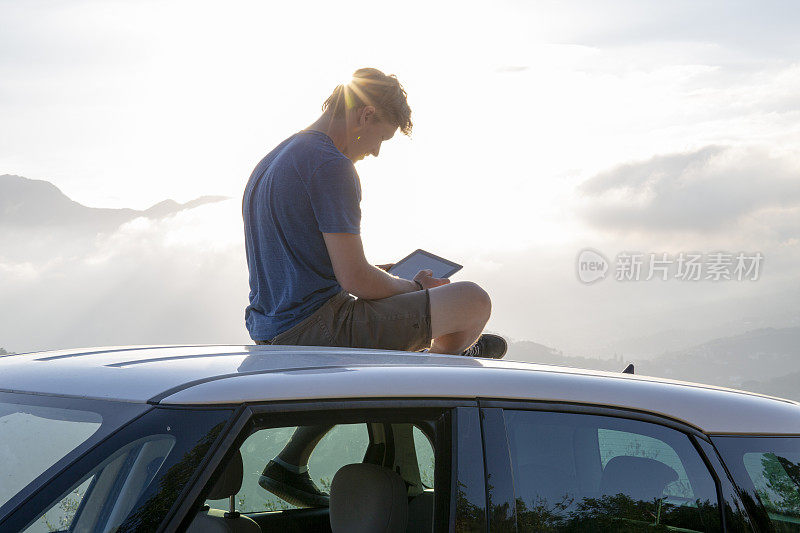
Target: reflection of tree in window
60,517
783,479
616,513
571,475
543,515
469,515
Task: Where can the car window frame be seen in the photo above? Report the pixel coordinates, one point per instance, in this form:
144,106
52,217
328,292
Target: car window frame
497,440
730,492
283,413
501,505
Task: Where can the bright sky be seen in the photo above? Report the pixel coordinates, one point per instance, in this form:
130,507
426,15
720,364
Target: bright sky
515,104
123,104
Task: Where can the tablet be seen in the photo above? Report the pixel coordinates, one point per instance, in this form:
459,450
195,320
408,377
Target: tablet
409,266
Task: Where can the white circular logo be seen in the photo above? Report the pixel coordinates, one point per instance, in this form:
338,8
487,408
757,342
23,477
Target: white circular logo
591,266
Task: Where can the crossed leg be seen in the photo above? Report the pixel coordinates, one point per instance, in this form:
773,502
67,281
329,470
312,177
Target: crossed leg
459,311
303,441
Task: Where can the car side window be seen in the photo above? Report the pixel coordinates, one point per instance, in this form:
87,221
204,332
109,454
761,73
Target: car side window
576,472
277,493
343,444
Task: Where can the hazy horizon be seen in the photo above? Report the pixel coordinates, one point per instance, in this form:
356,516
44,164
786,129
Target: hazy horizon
541,130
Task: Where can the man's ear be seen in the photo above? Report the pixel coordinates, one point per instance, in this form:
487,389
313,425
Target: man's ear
367,114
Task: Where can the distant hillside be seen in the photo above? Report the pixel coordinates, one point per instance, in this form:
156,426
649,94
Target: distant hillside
3,352
764,360
533,352
787,386
34,203
757,355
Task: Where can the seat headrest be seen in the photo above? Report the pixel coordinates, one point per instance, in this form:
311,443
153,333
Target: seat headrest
367,498
638,477
230,481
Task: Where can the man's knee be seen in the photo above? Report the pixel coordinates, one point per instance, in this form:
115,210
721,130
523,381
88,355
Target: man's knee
479,301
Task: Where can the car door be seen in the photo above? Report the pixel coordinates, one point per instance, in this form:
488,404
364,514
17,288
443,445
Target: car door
562,468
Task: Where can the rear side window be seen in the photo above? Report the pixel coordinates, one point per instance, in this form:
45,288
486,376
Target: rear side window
576,472
768,470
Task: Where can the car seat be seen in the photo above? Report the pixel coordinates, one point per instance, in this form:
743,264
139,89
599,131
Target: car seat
227,486
639,478
367,498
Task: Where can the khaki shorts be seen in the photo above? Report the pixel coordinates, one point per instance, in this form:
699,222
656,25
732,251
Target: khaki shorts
400,322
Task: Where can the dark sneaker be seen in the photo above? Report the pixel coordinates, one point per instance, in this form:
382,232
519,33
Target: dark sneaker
296,489
488,345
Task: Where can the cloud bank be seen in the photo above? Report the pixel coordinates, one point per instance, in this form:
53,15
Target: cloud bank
180,279
713,189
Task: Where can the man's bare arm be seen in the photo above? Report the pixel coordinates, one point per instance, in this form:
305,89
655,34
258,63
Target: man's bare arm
363,280
356,275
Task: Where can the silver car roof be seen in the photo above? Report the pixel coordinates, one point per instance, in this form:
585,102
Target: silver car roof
209,375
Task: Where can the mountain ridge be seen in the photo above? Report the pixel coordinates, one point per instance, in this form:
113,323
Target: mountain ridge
29,203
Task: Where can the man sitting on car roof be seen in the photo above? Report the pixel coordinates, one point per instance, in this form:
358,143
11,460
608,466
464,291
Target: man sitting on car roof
310,282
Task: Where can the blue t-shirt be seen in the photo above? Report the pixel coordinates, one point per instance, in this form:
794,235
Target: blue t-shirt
303,188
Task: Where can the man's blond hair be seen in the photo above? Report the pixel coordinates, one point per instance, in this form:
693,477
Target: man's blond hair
370,86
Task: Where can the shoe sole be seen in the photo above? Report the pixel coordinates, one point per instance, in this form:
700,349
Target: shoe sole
493,356
505,350
292,495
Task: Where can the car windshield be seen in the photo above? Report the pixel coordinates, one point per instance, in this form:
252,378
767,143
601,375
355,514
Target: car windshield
768,468
39,435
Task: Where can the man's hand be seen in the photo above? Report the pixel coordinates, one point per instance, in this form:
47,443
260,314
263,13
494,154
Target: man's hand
426,279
